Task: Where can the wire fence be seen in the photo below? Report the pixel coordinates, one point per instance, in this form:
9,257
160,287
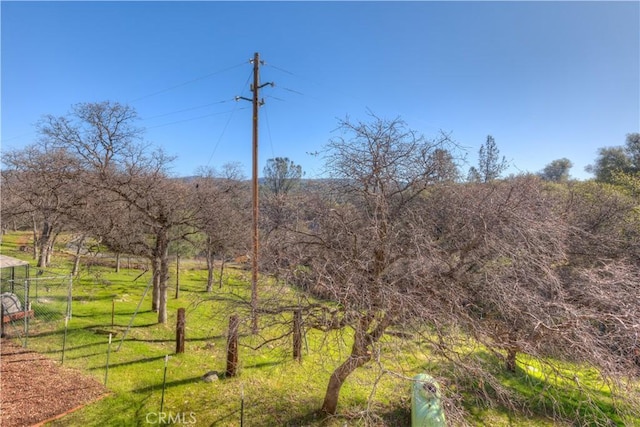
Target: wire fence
33,306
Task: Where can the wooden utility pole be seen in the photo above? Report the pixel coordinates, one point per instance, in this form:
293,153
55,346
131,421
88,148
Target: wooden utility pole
255,238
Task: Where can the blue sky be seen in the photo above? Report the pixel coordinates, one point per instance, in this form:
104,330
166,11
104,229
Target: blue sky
546,79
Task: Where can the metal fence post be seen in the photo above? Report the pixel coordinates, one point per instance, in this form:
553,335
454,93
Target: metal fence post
25,308
69,297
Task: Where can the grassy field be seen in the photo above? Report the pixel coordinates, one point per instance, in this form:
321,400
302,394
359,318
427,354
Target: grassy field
272,389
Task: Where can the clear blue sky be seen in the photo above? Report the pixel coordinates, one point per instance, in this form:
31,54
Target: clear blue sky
547,80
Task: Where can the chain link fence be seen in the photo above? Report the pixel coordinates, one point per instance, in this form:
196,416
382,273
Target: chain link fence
36,305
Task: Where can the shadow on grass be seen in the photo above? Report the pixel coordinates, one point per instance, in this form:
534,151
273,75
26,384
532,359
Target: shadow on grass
235,414
91,298
262,365
397,417
33,334
169,384
77,347
562,392
316,418
119,313
153,340
82,356
130,362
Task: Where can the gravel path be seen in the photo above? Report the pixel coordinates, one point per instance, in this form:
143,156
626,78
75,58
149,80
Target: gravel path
34,389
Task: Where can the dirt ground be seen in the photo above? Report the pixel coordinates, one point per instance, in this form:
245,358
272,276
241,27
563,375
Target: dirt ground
34,389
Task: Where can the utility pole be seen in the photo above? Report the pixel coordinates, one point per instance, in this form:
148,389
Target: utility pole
254,188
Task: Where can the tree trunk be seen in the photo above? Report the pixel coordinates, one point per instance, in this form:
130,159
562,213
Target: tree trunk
511,359
35,239
330,404
163,279
363,342
45,244
360,355
52,241
76,260
118,262
297,335
221,273
155,293
209,269
162,302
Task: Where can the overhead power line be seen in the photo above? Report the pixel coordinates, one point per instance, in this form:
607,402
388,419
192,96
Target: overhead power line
196,118
280,69
187,109
187,82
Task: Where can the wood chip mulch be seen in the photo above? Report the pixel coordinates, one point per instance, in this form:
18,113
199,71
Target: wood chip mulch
34,389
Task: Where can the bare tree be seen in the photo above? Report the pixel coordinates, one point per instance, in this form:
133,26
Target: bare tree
491,263
131,175
497,245
102,134
223,203
164,209
356,247
45,184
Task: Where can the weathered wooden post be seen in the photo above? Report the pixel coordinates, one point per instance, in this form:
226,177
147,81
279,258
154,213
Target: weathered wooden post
297,335
180,326
232,346
1,319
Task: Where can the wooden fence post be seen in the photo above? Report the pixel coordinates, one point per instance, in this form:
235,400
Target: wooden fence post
297,335
180,331
1,319
232,346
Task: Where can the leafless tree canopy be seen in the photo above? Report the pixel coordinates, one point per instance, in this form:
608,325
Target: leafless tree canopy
513,264
222,200
490,277
101,134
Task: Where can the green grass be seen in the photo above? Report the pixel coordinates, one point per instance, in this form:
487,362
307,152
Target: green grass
277,390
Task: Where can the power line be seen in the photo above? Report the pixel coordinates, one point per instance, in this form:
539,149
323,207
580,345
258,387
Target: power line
279,69
195,118
215,148
187,82
30,134
292,90
266,116
276,98
186,109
